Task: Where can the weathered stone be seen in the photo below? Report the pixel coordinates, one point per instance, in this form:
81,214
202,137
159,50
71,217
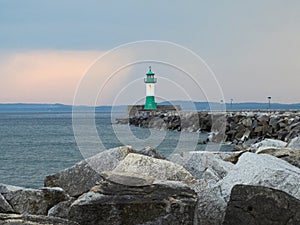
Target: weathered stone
16,219
256,205
163,202
294,143
202,163
82,176
253,169
127,179
247,122
155,168
210,206
289,155
5,207
61,209
234,157
267,143
152,152
34,201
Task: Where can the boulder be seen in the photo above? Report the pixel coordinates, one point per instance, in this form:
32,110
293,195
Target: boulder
286,154
203,164
155,168
61,209
152,152
268,143
263,170
34,201
251,169
294,143
256,205
5,207
79,178
16,219
210,206
156,203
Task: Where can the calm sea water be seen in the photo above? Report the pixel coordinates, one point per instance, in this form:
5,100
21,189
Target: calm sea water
33,145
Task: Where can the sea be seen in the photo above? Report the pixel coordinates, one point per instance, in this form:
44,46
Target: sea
34,145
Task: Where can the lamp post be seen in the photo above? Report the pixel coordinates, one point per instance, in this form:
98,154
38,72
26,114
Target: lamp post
231,101
269,99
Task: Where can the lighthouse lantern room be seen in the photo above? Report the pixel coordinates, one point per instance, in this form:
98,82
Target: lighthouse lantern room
150,80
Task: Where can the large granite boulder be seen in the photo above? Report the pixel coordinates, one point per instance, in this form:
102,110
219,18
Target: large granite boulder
294,143
256,205
16,219
152,167
268,143
262,170
128,199
286,154
203,164
33,201
251,169
79,178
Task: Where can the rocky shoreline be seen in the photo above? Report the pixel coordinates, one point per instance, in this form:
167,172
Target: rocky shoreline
238,128
125,186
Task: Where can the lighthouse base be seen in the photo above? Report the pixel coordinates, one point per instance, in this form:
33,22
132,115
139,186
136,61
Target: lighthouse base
150,103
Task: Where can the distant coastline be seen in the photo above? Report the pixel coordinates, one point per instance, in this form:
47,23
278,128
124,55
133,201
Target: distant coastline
185,105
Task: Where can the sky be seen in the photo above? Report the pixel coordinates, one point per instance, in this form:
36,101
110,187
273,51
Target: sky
49,48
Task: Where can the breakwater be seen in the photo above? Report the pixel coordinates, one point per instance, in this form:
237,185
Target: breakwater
235,127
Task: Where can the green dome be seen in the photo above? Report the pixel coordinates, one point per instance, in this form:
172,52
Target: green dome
150,72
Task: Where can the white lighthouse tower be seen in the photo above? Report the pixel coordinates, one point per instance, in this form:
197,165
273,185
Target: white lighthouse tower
150,81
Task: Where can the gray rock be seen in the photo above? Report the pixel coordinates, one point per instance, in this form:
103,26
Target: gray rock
294,143
5,207
16,219
152,152
286,154
33,201
84,175
210,206
268,143
254,205
163,202
5,188
203,164
253,169
61,209
127,179
155,168
263,170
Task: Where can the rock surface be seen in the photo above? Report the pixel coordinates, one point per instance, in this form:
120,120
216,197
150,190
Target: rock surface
85,174
286,154
254,205
202,164
235,127
251,169
294,143
152,152
34,201
155,168
268,143
264,170
5,207
159,203
61,209
16,219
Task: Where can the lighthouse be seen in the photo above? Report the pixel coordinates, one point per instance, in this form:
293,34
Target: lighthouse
150,80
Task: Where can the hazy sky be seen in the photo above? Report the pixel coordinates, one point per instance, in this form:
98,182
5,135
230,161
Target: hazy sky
47,46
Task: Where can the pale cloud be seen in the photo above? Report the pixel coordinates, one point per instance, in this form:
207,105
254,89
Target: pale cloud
48,76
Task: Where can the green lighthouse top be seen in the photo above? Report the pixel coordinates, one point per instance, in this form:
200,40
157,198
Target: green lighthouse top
150,77
150,73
